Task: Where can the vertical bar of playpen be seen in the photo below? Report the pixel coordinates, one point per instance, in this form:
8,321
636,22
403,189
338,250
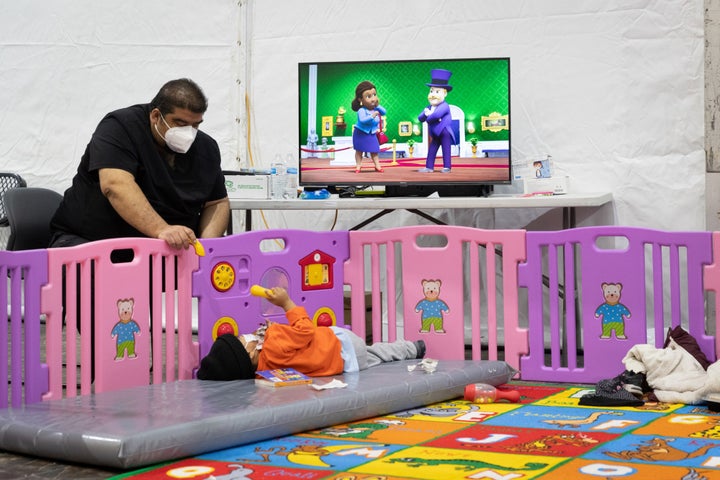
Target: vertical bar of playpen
390,292
16,339
71,315
375,292
491,300
532,280
675,291
711,280
475,321
570,310
35,374
554,305
170,316
86,318
51,300
4,338
188,357
515,338
658,296
699,254
157,306
355,277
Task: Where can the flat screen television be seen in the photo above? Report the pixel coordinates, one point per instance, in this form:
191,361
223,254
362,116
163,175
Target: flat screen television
477,91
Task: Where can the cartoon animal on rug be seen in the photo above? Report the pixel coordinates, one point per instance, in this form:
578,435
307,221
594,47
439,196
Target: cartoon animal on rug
658,450
463,464
712,432
360,430
549,442
576,423
239,473
125,329
440,410
432,307
309,454
613,312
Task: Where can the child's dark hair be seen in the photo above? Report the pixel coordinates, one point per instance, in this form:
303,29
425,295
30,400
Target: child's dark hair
362,86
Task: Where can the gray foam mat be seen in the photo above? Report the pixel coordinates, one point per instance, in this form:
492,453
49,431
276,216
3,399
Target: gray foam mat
155,423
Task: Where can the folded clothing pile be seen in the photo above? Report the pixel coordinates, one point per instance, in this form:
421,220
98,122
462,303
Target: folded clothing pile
677,373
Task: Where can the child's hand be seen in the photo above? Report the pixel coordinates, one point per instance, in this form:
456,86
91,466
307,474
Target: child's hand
279,296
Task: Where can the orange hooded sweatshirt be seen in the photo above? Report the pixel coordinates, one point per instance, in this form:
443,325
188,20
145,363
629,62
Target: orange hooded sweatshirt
312,350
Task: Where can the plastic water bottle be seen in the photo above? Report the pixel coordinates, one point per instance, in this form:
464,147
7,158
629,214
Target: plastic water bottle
278,178
484,393
291,183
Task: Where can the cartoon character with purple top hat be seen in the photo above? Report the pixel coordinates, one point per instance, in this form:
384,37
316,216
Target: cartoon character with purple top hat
439,121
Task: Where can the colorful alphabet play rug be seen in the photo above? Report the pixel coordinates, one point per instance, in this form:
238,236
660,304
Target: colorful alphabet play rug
546,435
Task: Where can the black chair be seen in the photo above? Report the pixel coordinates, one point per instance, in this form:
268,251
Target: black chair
29,211
8,181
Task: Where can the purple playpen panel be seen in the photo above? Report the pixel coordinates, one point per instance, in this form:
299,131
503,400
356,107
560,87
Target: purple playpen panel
307,263
123,302
432,264
615,279
25,272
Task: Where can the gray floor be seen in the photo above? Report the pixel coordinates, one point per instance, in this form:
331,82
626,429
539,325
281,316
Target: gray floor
14,466
17,466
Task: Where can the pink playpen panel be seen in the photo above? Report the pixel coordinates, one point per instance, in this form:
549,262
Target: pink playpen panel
27,377
138,315
595,292
446,280
711,278
307,263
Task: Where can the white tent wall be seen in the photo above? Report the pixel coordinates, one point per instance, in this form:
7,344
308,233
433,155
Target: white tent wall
65,64
613,90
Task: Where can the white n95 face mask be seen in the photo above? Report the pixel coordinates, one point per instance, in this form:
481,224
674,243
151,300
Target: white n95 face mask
179,139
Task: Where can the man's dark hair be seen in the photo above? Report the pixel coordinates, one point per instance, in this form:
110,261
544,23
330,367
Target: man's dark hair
180,93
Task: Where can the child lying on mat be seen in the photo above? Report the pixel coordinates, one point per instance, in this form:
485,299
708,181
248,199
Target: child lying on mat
314,351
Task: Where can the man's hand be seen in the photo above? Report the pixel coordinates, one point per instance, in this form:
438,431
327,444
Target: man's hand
177,236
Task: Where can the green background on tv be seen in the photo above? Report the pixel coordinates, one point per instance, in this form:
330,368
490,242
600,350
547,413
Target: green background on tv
480,87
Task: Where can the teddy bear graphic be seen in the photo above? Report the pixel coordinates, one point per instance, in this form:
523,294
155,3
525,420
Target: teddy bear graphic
432,307
125,329
612,311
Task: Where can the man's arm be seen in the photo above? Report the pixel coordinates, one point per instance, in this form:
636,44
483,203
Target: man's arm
214,218
125,196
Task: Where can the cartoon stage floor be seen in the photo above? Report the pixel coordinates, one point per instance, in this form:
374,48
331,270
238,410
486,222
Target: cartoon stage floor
464,169
546,435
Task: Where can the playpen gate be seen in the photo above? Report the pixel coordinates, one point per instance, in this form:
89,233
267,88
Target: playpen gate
308,264
430,271
133,307
27,377
595,292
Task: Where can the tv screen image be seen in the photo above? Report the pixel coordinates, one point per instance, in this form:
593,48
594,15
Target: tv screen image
477,92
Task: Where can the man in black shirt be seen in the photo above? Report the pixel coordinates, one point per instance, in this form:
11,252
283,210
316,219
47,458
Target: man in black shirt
148,172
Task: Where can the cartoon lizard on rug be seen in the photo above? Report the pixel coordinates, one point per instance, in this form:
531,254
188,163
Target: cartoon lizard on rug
461,464
581,421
